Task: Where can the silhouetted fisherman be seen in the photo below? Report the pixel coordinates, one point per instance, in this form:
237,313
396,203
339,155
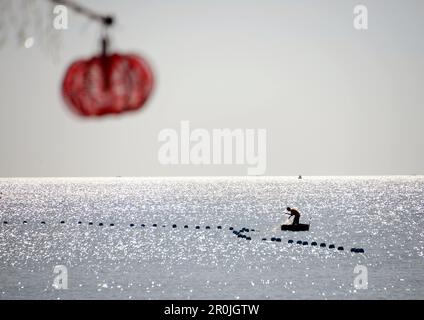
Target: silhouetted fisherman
295,213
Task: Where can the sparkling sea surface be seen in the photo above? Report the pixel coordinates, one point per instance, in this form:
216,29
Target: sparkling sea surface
382,215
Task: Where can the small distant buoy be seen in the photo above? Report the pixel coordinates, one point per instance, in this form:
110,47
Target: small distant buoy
186,226
154,225
163,226
4,222
207,227
314,243
263,239
174,226
331,246
231,228
247,230
219,227
62,221
352,249
100,224
90,223
299,242
323,245
131,224
360,250
143,225
278,239
239,236
235,232
290,241
197,227
112,225
248,238
340,248
305,243
272,239
79,222
24,222
253,230
42,222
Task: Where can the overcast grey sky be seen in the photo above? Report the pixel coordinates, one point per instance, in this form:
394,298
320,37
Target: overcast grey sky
334,100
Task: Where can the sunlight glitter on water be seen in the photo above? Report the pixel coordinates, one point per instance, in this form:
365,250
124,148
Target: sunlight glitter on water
383,215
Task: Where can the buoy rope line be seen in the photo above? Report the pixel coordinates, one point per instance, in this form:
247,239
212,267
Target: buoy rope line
243,233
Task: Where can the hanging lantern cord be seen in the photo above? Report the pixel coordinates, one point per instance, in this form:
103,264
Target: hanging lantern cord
105,45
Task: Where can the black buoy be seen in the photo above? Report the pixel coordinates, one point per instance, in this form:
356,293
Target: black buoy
299,242
154,225
323,245
62,221
42,222
263,239
4,222
314,243
331,246
112,225
239,236
340,248
305,243
174,226
253,230
290,241
272,239
247,230
352,249
100,224
163,226
131,224
143,225
197,227
235,232
186,227
360,250
219,227
79,222
24,222
207,227
248,238
231,228
90,223
278,239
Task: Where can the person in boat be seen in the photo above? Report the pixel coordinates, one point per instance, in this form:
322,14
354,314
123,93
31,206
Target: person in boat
296,214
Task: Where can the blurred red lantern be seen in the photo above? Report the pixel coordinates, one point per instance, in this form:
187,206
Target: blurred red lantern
107,84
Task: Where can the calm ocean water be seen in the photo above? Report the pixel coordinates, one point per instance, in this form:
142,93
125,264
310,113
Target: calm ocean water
383,215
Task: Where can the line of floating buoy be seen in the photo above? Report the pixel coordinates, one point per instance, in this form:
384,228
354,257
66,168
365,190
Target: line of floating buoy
240,234
314,244
101,224
324,245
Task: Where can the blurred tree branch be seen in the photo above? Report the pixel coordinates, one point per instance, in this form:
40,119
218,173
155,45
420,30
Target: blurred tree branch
106,20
